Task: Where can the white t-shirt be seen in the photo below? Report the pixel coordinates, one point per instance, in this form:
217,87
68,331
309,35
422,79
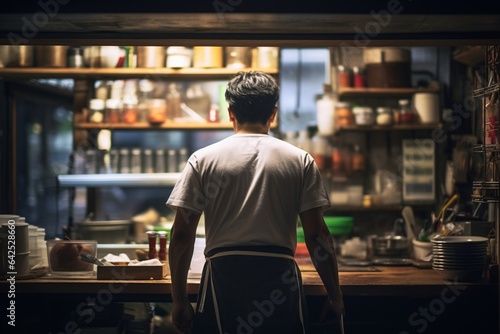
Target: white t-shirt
251,188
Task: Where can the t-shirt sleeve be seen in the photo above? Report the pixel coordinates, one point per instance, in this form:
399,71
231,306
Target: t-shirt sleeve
314,193
188,191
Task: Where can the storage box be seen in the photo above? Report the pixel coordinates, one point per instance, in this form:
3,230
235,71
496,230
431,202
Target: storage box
133,272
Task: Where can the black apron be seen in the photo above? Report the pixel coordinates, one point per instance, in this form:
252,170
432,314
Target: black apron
250,290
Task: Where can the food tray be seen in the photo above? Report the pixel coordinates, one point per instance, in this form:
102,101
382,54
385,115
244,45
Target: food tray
133,272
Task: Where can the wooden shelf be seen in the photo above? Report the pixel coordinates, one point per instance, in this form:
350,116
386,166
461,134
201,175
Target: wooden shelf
96,73
146,126
398,127
381,92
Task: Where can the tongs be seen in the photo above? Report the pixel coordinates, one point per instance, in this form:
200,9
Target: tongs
92,259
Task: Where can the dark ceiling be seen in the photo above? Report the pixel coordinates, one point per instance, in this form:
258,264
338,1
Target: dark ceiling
279,22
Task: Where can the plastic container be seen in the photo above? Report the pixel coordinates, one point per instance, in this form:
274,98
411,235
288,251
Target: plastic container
339,225
64,257
325,114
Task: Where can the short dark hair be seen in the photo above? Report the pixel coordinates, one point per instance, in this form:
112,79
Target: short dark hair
252,96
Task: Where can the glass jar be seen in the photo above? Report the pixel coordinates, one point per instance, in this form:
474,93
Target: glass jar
363,115
343,115
238,57
157,111
406,114
130,113
113,111
96,112
384,116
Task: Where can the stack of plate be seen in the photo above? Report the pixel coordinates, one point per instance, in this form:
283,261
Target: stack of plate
461,258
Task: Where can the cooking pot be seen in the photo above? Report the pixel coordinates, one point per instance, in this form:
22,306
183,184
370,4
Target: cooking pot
104,231
151,56
388,245
51,55
16,56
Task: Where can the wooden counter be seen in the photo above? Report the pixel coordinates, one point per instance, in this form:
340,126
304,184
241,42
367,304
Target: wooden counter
389,300
387,281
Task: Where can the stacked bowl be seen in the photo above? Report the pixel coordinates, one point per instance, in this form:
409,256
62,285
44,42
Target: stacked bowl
461,258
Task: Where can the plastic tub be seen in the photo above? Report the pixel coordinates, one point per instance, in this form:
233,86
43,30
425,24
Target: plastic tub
339,225
64,257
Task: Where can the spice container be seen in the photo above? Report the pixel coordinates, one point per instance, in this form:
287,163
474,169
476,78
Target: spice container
343,115
363,115
113,111
124,160
384,116
96,112
343,77
148,161
157,111
75,57
358,77
160,161
406,114
135,161
152,236
162,254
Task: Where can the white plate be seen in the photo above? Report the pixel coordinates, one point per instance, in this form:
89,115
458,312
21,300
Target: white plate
460,240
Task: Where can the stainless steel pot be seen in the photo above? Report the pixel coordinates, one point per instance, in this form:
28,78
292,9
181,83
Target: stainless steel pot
388,245
51,55
151,56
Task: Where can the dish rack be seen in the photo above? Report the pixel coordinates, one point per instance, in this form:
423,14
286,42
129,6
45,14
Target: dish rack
486,188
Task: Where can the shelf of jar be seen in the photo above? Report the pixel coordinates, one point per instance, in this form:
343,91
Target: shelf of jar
395,127
118,180
169,125
374,91
96,73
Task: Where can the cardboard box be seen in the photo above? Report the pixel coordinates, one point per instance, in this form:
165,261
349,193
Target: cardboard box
133,272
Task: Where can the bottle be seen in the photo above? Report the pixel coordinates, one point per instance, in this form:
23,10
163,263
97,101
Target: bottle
75,57
358,77
160,161
198,100
325,111
343,77
358,159
152,244
162,254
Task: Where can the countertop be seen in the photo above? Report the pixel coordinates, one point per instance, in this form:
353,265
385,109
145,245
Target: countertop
386,281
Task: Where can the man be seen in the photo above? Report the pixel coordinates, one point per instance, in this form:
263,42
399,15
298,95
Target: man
252,188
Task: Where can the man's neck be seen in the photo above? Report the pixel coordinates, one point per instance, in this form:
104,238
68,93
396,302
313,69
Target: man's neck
252,128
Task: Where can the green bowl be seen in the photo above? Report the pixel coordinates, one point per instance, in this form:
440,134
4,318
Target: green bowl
339,225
